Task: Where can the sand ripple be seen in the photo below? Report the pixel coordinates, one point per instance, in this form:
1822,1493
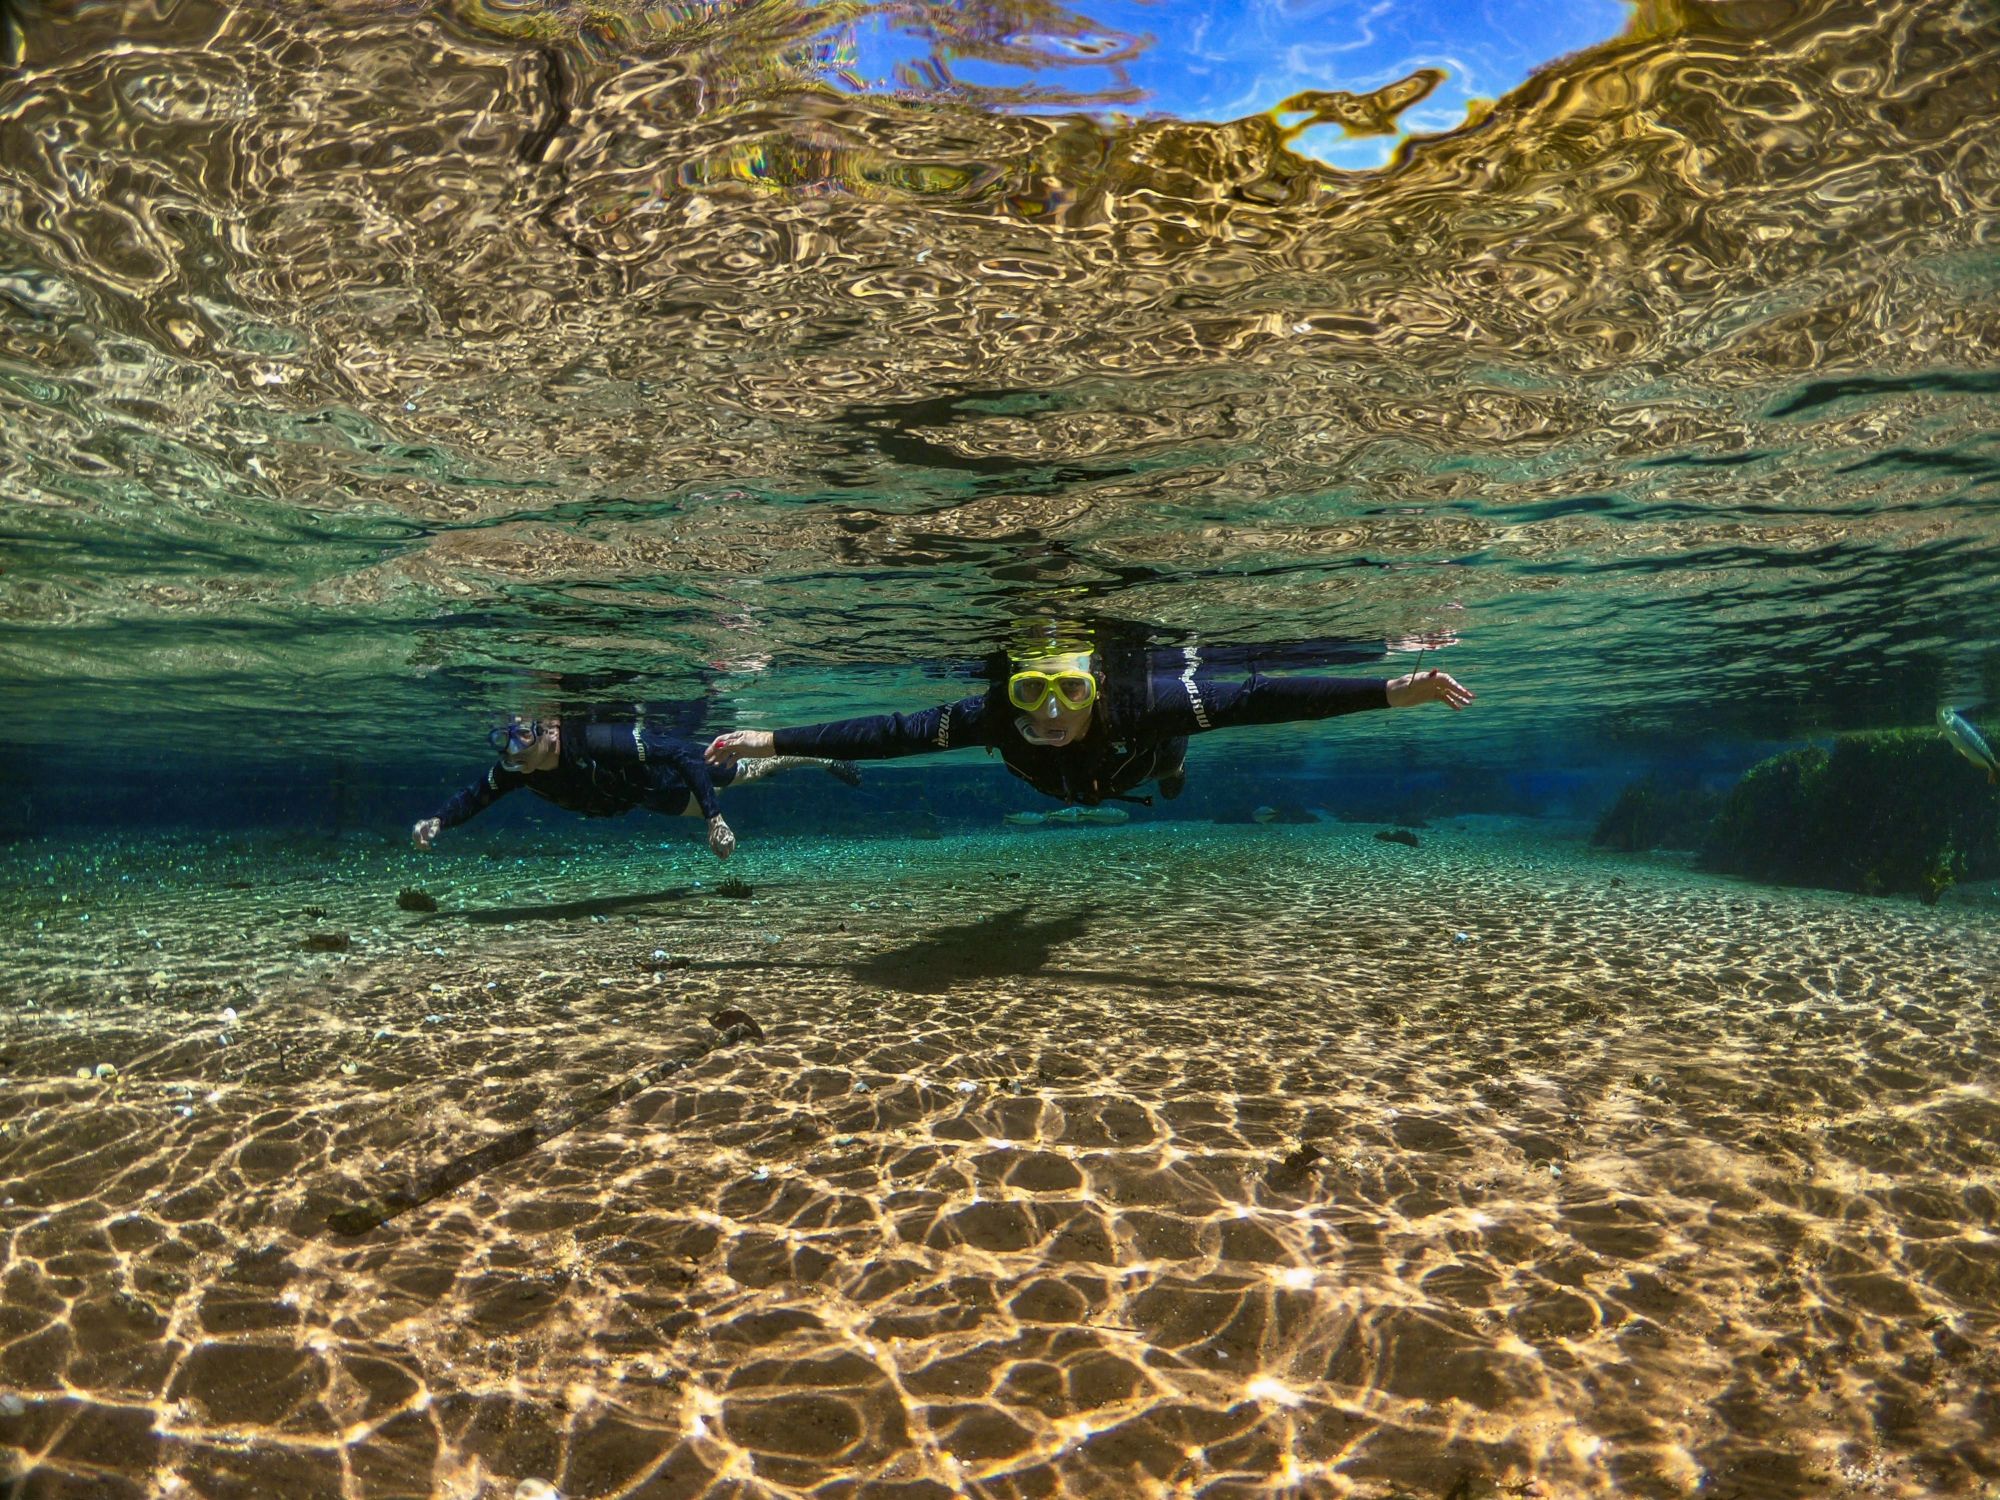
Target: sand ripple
1175,1162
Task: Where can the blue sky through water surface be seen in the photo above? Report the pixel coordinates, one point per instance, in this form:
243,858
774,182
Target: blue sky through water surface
1226,59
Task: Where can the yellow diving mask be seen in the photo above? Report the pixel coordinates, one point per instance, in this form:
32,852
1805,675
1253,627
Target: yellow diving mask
1067,676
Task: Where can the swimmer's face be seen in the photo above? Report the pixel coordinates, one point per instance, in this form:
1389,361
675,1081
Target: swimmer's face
1064,726
1055,697
530,745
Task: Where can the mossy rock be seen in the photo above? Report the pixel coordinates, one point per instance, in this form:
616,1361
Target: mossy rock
1764,827
1891,812
1648,815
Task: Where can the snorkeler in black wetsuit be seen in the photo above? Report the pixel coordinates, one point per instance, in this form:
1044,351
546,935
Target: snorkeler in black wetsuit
602,768
1084,726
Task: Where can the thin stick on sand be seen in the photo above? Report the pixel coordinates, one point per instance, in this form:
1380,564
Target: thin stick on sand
428,1186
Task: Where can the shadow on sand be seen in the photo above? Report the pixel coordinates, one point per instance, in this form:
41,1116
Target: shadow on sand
1003,945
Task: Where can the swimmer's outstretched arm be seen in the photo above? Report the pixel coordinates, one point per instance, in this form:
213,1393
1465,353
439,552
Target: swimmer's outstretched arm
469,803
950,726
1193,705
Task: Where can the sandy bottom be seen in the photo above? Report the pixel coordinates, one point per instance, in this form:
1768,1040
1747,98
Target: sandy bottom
1144,1161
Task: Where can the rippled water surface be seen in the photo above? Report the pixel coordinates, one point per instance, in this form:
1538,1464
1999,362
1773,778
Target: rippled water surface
371,369
418,352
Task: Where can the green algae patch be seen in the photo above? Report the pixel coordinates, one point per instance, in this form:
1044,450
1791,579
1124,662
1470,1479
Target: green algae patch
1893,812
1650,814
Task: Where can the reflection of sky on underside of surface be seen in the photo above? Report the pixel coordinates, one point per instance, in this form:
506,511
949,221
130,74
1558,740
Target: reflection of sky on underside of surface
1225,59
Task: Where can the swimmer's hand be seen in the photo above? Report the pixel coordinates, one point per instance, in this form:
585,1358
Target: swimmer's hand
739,744
1427,687
721,839
424,832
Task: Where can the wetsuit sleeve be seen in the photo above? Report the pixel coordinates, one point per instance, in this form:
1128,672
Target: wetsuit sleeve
1188,705
1257,657
481,795
951,726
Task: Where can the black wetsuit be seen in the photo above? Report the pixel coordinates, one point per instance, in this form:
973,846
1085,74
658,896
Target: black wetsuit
1148,703
603,769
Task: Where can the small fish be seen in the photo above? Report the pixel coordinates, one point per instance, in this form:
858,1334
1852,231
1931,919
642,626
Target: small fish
1026,819
1968,742
1263,814
1109,817
1064,815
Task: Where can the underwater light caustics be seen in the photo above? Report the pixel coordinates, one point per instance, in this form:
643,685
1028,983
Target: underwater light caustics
1107,1250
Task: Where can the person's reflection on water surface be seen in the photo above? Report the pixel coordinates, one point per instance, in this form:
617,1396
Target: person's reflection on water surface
601,765
1084,724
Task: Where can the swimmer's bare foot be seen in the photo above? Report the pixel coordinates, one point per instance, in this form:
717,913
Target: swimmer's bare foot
841,770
